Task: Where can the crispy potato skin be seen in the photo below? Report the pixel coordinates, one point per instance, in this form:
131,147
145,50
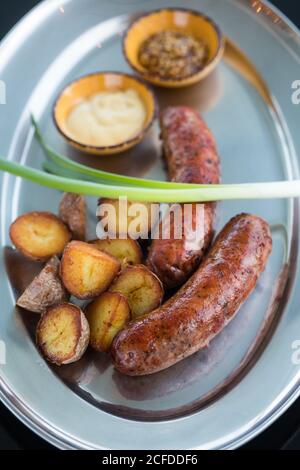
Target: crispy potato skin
63,334
39,235
87,272
191,156
143,290
127,251
123,216
72,211
203,307
107,316
46,290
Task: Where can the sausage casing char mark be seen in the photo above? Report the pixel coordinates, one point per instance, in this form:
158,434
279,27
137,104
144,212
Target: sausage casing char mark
203,306
191,156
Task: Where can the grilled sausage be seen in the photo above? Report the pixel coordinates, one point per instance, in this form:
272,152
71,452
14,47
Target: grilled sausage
203,307
191,156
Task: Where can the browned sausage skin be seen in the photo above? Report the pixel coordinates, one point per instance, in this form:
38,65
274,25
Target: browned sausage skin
191,156
203,307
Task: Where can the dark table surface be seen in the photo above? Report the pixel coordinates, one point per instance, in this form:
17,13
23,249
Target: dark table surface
284,434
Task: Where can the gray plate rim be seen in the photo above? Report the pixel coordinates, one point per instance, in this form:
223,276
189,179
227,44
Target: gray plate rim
19,408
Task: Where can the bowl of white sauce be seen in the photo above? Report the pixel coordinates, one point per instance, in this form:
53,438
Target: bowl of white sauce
105,113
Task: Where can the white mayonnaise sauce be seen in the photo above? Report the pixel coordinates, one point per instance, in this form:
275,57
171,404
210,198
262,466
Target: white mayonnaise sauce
107,118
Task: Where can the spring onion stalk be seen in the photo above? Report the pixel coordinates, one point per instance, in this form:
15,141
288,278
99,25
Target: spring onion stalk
52,168
64,167
99,175
203,193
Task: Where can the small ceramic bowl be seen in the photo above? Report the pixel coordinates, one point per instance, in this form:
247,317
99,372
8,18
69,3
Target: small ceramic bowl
98,82
185,21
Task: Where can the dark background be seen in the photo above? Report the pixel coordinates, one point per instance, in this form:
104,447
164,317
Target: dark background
284,434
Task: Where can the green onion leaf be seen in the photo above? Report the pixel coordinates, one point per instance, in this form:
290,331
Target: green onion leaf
203,193
99,175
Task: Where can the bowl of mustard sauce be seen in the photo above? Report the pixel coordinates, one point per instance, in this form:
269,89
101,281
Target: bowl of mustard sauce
173,47
105,113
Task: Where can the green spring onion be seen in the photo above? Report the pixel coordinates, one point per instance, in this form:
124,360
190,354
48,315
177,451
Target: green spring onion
202,193
98,175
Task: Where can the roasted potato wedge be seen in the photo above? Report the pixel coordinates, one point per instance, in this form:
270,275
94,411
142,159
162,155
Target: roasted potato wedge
46,290
126,251
107,316
133,218
63,334
86,271
72,211
141,287
39,235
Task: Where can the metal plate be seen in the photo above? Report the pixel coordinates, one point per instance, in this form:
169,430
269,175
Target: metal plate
226,394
